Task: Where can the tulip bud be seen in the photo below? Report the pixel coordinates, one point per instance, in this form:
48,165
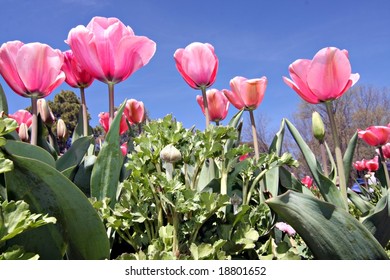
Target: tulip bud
318,127
45,112
170,154
62,131
23,133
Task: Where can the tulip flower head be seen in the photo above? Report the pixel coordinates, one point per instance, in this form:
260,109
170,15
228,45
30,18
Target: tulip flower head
324,78
360,165
76,75
109,50
218,104
124,149
45,112
375,135
22,116
307,181
385,150
372,165
246,93
31,70
134,111
104,120
62,130
197,64
286,228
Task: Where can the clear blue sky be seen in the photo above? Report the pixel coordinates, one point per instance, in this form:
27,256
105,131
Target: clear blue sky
251,39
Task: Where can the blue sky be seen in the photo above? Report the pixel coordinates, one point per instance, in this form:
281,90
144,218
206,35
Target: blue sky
251,38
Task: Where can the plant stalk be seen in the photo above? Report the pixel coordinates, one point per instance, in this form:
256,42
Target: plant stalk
84,111
324,160
34,125
254,135
206,106
339,156
384,167
111,102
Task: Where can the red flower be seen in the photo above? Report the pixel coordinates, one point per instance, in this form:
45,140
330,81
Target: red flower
372,165
217,102
375,135
104,120
307,181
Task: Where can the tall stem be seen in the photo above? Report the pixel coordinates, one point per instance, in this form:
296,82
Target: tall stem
339,157
206,106
34,125
111,101
254,135
84,110
384,167
324,159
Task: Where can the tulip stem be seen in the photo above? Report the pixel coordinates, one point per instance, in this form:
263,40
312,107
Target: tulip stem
339,157
254,135
383,161
111,102
206,106
324,159
34,125
84,110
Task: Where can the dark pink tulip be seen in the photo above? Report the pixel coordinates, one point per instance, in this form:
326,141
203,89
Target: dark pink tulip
360,165
386,150
197,64
307,181
246,93
76,75
375,135
326,77
104,120
217,102
124,149
22,116
31,70
109,50
372,165
134,111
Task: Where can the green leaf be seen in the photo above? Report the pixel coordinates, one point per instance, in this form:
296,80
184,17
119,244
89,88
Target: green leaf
78,131
46,190
364,206
348,156
17,253
106,171
326,186
75,154
19,148
3,101
378,223
330,232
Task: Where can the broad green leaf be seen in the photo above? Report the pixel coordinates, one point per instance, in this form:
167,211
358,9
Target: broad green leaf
330,232
348,156
79,129
326,186
75,154
106,171
19,148
17,253
47,191
364,206
3,101
378,223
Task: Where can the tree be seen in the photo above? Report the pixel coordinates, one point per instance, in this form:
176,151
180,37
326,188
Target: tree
66,105
359,108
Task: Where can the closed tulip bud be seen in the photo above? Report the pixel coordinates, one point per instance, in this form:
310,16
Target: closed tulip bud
318,127
62,131
45,112
23,132
170,154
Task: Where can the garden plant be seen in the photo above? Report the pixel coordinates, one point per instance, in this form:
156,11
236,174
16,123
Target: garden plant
175,193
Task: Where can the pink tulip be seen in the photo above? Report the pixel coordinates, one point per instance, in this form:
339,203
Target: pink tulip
372,165
307,181
375,135
124,149
243,157
246,93
360,165
62,130
134,111
285,228
326,77
76,75
22,116
104,120
217,102
45,112
109,50
385,150
197,64
31,70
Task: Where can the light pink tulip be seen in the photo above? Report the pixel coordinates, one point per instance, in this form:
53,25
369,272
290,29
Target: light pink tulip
134,111
62,130
385,150
246,93
326,77
285,228
109,50
197,64
360,165
375,135
22,116
76,75
31,70
45,112
104,120
217,102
